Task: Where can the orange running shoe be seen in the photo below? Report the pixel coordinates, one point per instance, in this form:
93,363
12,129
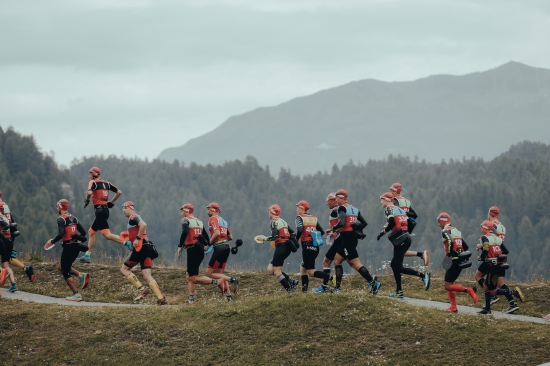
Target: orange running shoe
451,310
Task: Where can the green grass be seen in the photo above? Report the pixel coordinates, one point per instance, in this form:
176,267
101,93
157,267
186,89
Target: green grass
265,326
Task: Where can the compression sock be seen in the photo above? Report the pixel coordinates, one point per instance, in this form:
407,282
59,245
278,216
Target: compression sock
339,274
134,281
305,283
326,270
17,263
502,291
214,281
286,276
481,282
452,299
284,282
325,277
487,301
508,296
363,271
154,286
191,298
457,288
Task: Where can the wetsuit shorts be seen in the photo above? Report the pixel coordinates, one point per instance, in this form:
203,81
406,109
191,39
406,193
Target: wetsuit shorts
309,254
348,248
144,257
220,253
100,222
333,249
6,247
195,255
282,251
452,273
68,256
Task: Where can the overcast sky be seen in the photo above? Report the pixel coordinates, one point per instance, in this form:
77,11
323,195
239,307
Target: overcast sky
134,77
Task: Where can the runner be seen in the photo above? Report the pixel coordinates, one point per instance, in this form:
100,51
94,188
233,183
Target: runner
306,224
347,217
98,191
195,240
500,231
14,233
405,205
491,257
6,246
143,252
453,244
219,238
401,240
67,227
331,252
280,236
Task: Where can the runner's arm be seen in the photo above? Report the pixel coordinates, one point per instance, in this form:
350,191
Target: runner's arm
361,219
342,216
318,228
464,245
412,214
184,231
60,230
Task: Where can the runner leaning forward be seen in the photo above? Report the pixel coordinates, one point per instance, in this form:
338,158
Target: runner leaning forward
333,249
195,241
143,252
348,216
4,208
306,224
67,228
401,241
453,244
219,238
280,236
98,191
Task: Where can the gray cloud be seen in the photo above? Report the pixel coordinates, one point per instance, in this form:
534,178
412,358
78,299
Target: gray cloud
163,72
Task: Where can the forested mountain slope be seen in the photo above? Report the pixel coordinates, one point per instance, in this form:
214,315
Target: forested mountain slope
514,181
434,118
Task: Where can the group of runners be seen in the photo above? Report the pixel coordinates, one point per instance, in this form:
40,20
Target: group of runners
345,229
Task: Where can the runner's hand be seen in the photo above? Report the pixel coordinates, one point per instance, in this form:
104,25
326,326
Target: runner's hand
86,203
380,235
179,252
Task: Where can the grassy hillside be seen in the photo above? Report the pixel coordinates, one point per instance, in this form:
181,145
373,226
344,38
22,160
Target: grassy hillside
264,326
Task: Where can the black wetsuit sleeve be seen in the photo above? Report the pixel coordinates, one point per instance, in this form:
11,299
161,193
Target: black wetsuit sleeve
504,249
484,252
391,224
291,231
113,188
184,231
60,230
464,245
320,229
81,231
361,219
274,231
412,214
342,216
204,239
12,218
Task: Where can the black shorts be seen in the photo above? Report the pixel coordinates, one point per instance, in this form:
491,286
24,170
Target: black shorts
309,254
100,222
452,273
348,249
144,257
483,267
282,251
491,279
333,249
5,250
220,253
68,256
195,255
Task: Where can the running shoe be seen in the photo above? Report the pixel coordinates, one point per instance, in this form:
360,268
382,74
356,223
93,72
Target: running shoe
451,310
511,309
472,291
426,280
164,302
84,280
396,294
222,285
13,287
426,257
76,297
370,284
320,290
546,317
3,274
30,273
375,287
84,259
484,311
337,291
189,303
293,283
519,294
230,298
144,292
236,282
494,299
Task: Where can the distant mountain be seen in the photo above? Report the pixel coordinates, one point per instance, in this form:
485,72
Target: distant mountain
435,118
